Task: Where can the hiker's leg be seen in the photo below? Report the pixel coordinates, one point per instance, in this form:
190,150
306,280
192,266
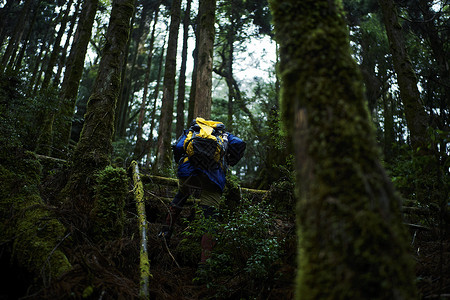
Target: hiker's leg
209,200
208,241
184,191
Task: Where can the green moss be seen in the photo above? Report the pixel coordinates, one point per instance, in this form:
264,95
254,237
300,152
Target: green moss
110,193
351,240
27,226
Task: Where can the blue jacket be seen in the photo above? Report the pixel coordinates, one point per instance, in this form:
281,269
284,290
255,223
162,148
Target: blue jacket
216,175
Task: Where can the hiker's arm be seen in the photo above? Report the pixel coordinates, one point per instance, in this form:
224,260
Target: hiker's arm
177,147
236,149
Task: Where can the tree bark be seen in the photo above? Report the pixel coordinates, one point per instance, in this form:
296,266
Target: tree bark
149,143
163,158
93,151
182,81
351,241
18,60
62,58
139,149
4,18
203,97
17,35
56,47
415,114
73,73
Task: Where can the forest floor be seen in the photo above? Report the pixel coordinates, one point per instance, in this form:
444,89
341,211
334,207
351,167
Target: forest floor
109,269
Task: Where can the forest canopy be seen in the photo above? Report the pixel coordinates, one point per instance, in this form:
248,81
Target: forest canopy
343,105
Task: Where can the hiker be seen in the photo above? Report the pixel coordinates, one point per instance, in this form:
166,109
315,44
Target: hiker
203,153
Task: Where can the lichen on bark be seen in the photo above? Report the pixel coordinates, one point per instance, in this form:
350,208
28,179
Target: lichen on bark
352,244
28,230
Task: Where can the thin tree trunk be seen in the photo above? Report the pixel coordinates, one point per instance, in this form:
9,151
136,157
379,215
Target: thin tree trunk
16,36
18,62
56,47
122,104
73,73
62,59
139,149
163,158
194,77
93,151
4,12
203,97
389,133
351,240
37,62
128,91
182,81
149,144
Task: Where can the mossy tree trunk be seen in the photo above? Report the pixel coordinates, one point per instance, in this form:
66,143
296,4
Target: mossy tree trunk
352,244
206,19
93,151
163,156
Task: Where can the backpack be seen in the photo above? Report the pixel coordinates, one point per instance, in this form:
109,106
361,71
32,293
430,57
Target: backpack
205,144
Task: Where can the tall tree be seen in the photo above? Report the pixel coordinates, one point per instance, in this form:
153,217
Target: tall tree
93,151
129,83
351,240
73,73
62,58
415,114
18,60
139,149
16,37
206,32
163,158
182,79
56,46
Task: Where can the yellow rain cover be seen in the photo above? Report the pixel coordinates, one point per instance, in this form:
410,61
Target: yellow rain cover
206,128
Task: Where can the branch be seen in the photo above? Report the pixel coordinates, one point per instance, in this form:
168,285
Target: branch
140,206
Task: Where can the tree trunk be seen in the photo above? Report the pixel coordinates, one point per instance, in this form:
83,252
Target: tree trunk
73,73
4,12
122,103
93,151
416,117
128,90
149,143
17,35
389,132
352,244
139,149
203,100
36,64
56,47
194,77
62,58
182,81
163,158
18,61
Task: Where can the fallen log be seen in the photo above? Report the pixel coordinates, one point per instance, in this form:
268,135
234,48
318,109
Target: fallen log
174,182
